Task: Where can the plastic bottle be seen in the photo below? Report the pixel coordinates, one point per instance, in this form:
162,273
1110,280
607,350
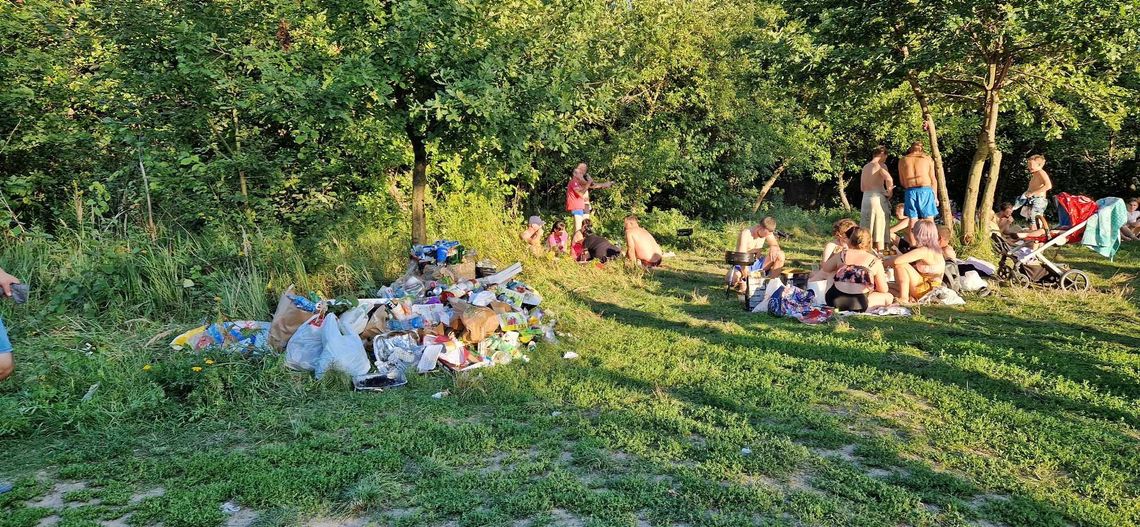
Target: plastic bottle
406,325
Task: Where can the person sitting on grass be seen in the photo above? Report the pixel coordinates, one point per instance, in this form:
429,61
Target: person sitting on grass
944,236
1131,230
7,362
640,246
595,247
752,241
559,241
533,234
857,281
898,241
838,242
919,270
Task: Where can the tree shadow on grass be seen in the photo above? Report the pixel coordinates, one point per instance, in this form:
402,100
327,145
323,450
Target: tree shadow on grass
1024,336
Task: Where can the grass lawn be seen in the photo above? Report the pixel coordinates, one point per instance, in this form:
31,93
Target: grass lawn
1018,409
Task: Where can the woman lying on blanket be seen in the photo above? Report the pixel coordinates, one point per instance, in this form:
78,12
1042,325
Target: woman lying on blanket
839,231
856,278
920,270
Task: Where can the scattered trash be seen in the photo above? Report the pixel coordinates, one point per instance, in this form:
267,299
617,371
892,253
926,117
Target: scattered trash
555,413
569,355
746,451
440,395
242,335
230,507
90,392
5,487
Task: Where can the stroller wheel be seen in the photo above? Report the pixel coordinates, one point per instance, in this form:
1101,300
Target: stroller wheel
1074,280
1020,279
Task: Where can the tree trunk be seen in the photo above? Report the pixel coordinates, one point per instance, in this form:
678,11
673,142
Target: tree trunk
843,192
768,185
995,162
987,145
973,188
419,185
935,151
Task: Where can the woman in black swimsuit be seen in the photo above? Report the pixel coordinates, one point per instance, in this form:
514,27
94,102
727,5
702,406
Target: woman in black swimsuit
858,281
595,247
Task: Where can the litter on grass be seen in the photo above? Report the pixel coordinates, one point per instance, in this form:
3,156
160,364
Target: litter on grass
445,311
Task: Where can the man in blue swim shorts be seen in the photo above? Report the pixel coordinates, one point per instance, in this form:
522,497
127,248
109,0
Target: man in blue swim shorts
916,173
6,362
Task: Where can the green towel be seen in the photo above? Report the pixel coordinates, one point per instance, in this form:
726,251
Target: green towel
1102,234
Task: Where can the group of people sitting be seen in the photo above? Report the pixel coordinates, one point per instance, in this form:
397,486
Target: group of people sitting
587,245
856,272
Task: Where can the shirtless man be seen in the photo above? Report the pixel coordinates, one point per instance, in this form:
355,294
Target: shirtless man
752,240
1039,187
1005,221
916,173
640,246
877,186
578,194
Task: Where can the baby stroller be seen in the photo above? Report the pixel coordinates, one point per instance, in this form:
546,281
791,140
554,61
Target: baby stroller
1024,263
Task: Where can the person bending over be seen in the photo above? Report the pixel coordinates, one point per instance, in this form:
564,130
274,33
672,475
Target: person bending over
920,270
857,281
839,235
595,247
752,241
7,362
640,246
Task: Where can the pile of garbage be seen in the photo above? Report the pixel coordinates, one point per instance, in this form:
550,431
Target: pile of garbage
444,311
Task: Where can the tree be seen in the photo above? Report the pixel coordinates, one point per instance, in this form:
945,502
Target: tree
1044,56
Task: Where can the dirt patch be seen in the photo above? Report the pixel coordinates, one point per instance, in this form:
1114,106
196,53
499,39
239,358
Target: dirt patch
54,499
152,493
878,473
348,521
117,522
242,518
846,453
565,457
563,518
50,521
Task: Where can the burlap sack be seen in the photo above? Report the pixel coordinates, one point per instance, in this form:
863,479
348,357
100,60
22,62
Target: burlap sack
286,320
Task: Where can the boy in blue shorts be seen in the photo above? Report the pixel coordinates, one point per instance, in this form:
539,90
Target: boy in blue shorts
6,362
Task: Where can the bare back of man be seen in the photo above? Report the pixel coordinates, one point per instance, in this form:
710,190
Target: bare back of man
915,170
916,173
641,246
877,186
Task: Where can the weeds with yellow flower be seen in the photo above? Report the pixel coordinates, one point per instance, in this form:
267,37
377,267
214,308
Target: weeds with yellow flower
196,368
209,361
146,367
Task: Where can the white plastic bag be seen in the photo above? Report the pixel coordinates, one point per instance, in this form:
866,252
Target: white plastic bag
355,320
971,282
344,353
305,346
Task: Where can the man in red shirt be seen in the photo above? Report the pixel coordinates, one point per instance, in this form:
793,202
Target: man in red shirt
578,194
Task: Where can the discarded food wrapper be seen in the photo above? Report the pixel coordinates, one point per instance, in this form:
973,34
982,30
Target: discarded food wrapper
440,395
555,413
746,451
569,355
230,507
